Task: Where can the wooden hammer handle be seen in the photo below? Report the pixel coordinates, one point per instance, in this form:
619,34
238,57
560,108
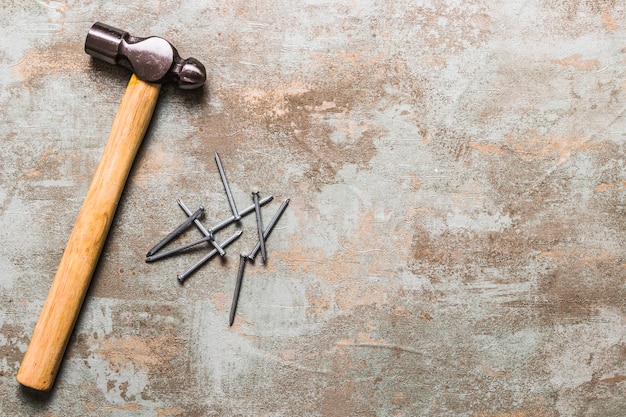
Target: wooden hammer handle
60,310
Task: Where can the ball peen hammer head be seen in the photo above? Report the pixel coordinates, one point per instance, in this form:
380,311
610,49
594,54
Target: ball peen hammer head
152,59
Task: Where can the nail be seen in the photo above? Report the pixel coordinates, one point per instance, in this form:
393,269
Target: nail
182,277
179,230
202,229
229,194
259,224
233,308
269,228
242,213
170,252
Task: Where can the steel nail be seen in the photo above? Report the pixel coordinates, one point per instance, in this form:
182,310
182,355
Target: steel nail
179,230
202,229
170,252
242,213
229,194
194,267
259,224
233,309
269,228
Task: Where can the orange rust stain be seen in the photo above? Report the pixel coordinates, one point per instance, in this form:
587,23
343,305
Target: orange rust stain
413,212
348,125
304,215
578,256
345,342
400,311
398,398
486,148
469,195
219,301
615,379
348,298
356,59
551,254
307,260
326,105
125,407
273,102
435,61
415,183
426,315
604,187
288,354
359,255
548,146
597,258
161,412
320,303
494,373
141,351
362,338
609,21
51,59
532,409
427,138
577,62
46,155
339,400
240,325
350,57
158,160
348,262
33,173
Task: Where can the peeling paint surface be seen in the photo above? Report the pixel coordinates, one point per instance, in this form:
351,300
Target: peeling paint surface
456,239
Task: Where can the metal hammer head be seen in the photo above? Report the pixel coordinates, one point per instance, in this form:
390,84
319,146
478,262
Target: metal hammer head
152,59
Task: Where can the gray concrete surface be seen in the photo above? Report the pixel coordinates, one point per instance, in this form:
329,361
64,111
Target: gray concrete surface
455,243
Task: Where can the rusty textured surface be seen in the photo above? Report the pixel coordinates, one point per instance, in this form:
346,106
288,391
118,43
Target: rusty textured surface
455,242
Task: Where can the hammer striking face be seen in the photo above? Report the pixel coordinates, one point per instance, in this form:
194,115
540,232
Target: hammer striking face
153,61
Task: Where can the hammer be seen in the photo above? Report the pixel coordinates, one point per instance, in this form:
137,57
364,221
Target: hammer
152,60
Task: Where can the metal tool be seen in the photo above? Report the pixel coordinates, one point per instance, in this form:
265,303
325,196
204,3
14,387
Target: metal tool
242,213
178,249
153,61
182,277
229,194
268,229
259,224
203,230
233,308
178,231
214,229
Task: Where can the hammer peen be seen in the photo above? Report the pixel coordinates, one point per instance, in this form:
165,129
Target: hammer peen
152,60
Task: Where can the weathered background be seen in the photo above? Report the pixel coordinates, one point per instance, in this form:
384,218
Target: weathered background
455,243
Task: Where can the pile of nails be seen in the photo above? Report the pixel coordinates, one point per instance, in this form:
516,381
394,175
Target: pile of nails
209,235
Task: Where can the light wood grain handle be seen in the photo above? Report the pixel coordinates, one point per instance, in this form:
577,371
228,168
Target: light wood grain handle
59,313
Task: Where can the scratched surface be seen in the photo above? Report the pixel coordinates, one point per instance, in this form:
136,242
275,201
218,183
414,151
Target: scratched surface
455,242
